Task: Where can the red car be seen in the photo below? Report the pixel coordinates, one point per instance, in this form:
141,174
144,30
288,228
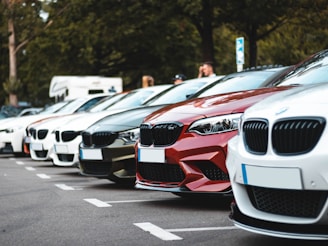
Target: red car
182,148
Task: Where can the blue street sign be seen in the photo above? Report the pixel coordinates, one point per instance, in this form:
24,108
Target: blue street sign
240,50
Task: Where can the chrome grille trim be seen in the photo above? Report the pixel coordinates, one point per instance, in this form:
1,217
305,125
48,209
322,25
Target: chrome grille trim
289,136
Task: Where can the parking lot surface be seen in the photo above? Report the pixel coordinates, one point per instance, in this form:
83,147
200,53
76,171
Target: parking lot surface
42,204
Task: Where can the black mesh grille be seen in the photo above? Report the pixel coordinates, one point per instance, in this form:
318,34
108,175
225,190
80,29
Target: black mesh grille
65,157
98,139
296,203
33,133
86,139
296,136
103,138
212,172
57,134
42,134
161,172
160,134
256,136
41,153
289,136
67,136
146,137
96,168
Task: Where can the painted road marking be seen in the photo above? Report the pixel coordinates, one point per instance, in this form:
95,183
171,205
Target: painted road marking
19,163
43,176
165,234
64,187
12,158
100,203
157,231
67,187
220,228
97,203
30,168
133,201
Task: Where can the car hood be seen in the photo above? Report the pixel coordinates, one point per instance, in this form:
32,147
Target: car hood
298,101
54,121
124,120
222,104
87,119
23,121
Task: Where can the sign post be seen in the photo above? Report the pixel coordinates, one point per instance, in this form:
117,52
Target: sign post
240,53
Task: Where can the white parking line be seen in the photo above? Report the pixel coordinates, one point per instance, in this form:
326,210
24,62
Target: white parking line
132,201
166,235
43,176
157,231
30,168
64,187
100,203
97,203
220,228
19,163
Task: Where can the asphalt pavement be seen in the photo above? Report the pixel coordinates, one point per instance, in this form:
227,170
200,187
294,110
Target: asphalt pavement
42,204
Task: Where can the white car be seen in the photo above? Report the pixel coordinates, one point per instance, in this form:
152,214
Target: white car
40,149
278,168
10,126
12,130
37,131
42,135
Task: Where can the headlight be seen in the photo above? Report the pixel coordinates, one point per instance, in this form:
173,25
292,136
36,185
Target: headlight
13,129
130,136
214,125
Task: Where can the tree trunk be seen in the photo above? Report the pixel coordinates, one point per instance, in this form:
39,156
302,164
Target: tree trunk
12,62
11,84
207,34
253,46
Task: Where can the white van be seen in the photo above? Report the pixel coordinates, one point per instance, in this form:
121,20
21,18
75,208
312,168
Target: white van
70,87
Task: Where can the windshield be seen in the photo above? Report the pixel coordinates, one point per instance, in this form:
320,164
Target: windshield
79,105
312,62
106,102
313,75
132,99
177,93
54,108
244,81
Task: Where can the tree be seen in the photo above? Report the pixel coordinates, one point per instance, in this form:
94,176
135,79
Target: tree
26,13
255,20
130,39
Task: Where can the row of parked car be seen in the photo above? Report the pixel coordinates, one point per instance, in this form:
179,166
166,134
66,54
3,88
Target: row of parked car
255,136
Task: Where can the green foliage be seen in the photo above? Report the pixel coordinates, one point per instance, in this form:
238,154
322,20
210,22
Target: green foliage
161,38
12,86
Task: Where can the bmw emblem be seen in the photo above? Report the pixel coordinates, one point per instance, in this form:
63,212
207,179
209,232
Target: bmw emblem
282,110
